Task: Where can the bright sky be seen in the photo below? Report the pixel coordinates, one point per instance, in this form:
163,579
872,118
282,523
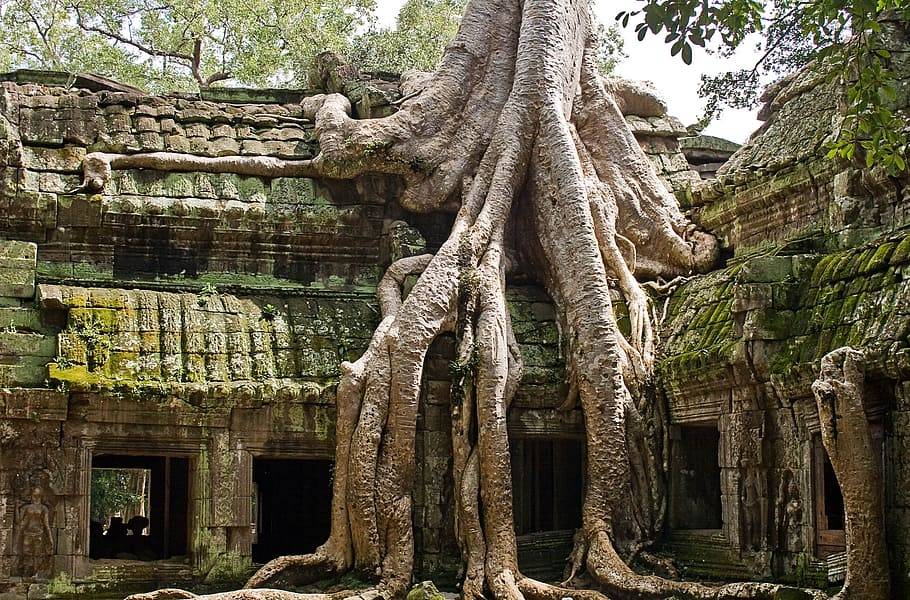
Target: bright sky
651,60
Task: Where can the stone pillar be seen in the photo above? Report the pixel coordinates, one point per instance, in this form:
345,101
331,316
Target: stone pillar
744,480
229,543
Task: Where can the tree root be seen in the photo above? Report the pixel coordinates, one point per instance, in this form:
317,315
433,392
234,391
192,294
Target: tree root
97,166
291,571
858,468
515,125
256,594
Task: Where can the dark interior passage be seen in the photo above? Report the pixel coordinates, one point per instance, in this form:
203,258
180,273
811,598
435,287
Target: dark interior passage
164,534
834,500
292,506
548,480
695,478
830,536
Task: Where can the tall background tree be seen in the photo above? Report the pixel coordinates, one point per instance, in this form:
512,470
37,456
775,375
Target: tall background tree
181,45
423,28
850,41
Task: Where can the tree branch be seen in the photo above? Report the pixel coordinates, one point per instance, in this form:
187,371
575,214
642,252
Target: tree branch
80,21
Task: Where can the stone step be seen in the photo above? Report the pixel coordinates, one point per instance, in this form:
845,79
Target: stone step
705,555
115,579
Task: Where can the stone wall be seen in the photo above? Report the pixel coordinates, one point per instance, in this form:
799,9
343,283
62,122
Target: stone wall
817,256
743,347
204,317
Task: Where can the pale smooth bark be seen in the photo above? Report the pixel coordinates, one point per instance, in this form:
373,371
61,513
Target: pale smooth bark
847,438
515,131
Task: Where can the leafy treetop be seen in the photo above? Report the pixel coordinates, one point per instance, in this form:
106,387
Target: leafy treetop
181,45
852,41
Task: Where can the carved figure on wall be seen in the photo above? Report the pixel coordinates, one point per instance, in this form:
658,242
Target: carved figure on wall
789,513
794,516
34,540
750,500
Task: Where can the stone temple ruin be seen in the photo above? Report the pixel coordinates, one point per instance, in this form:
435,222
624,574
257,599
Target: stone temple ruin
184,330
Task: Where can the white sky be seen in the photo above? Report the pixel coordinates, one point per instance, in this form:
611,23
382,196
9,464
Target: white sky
650,60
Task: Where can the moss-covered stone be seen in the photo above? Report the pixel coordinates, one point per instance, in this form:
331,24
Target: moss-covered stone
800,312
425,590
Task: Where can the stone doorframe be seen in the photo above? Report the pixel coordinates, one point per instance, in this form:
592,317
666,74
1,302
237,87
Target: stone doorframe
130,446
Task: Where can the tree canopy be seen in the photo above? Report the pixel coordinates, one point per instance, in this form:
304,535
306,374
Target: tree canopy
846,40
174,45
166,45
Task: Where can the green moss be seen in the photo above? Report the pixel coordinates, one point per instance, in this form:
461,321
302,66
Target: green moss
61,586
901,253
78,377
821,270
848,297
879,258
425,591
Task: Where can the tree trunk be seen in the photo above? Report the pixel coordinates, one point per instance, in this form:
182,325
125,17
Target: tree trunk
516,131
858,468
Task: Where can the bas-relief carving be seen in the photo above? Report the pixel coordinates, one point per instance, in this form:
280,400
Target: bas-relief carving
788,514
791,516
34,538
751,505
747,435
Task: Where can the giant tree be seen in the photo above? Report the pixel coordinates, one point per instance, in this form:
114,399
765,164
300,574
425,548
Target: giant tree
519,136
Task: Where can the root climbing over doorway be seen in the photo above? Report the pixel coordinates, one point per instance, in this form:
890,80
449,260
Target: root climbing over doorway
515,130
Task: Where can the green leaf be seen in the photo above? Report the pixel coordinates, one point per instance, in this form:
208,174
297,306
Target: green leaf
687,54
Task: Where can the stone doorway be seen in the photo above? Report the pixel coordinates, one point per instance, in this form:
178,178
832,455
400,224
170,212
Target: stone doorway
695,493
548,484
147,524
829,504
548,477
291,506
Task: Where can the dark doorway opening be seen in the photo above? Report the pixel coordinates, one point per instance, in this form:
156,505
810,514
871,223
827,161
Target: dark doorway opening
833,499
829,504
548,482
695,478
139,507
292,506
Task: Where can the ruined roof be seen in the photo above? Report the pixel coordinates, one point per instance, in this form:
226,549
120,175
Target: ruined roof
780,185
800,115
707,147
88,81
801,306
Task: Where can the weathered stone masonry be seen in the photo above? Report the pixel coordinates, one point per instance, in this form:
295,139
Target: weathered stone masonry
818,260
202,318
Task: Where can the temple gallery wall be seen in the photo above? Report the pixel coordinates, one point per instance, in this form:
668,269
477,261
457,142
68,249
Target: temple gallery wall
176,338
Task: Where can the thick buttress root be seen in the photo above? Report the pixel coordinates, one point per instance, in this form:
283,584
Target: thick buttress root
515,130
858,468
253,594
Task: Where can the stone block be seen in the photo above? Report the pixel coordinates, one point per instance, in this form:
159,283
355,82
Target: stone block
224,146
28,371
170,142
767,269
18,262
14,344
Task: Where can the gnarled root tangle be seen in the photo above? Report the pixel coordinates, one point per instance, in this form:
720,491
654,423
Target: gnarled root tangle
517,133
